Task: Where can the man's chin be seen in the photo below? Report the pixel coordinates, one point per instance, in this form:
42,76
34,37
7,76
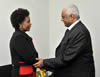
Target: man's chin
67,25
28,30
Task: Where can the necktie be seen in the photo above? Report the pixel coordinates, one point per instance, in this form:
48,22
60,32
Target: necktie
65,35
67,30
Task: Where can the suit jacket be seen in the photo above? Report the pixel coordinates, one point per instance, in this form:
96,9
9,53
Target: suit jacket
22,49
74,55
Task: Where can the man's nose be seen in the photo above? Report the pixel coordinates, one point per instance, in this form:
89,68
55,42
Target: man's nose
30,24
61,19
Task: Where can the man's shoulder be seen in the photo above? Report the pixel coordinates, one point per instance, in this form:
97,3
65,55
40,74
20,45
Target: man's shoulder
79,29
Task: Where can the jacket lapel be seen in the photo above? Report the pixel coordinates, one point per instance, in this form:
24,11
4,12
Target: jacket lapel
65,39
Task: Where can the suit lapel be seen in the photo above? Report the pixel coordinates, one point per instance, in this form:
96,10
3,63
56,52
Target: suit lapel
65,38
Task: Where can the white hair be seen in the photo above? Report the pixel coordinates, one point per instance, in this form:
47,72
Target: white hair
72,9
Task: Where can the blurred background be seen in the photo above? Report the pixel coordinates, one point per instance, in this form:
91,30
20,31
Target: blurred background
47,29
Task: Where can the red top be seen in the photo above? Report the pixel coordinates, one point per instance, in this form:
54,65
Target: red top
26,70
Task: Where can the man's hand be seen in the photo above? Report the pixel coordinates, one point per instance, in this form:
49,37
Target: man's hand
39,64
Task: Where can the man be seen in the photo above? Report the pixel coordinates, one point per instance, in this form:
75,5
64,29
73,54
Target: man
74,55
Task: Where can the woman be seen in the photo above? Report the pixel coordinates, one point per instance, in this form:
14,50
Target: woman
23,52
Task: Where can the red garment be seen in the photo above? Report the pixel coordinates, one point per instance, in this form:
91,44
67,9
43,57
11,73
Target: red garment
26,70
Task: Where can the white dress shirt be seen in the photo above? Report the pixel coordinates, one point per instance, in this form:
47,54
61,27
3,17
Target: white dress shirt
71,26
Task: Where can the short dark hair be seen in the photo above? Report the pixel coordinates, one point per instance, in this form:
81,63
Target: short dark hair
18,16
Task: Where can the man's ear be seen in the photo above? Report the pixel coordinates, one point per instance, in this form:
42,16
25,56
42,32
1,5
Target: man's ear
73,16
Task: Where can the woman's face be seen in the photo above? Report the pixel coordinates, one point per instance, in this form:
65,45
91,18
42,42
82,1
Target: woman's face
25,25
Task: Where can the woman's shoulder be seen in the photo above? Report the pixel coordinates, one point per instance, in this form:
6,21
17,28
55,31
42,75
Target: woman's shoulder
23,35
18,34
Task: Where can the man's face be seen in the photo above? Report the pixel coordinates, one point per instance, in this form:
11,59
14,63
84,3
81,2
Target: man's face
66,18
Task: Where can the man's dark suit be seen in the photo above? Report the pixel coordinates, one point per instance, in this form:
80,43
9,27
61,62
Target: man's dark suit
22,49
74,55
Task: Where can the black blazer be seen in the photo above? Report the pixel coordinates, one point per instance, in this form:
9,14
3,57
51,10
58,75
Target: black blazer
22,49
74,55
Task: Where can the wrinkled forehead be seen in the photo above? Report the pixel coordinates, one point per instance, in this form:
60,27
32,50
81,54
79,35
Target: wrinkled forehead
64,12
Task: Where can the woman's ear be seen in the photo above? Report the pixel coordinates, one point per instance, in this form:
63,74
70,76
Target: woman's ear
20,26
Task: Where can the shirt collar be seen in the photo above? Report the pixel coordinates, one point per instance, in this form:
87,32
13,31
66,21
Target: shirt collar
71,26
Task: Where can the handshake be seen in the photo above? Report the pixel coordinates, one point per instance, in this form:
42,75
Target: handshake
39,64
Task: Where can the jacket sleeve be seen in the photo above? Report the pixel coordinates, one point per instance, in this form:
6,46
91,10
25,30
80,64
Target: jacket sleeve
24,49
68,54
53,63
